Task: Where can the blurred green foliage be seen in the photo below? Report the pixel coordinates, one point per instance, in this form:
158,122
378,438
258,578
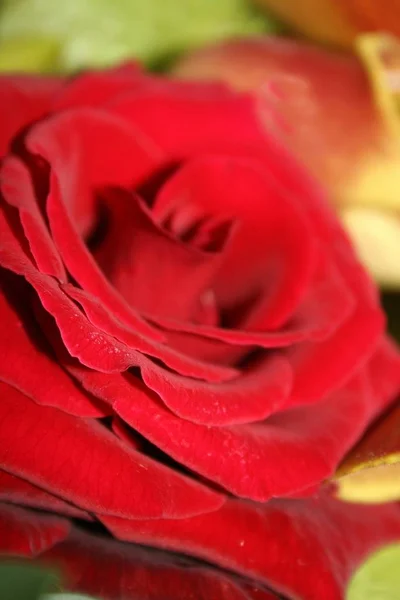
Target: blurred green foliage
29,54
102,32
25,581
379,577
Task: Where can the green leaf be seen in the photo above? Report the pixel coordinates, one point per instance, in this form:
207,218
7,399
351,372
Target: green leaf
25,581
99,32
379,577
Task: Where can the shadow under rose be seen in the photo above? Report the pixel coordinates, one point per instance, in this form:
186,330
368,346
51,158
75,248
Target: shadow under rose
91,562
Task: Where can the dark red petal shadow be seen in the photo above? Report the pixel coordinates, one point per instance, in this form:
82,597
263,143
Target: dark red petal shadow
155,272
273,250
24,363
15,490
23,534
327,304
112,570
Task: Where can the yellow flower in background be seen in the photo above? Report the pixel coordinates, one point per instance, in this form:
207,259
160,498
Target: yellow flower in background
336,21
371,472
338,113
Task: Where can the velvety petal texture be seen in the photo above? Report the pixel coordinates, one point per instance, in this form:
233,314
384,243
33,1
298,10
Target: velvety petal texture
189,347
297,547
286,549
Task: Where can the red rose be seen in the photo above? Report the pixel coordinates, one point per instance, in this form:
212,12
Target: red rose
183,320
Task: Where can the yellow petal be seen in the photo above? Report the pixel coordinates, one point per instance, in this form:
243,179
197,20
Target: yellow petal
371,472
375,177
380,54
372,485
321,20
376,236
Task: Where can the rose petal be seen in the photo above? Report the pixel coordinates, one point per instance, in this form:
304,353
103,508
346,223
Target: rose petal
110,569
231,127
23,99
210,129
130,257
335,358
132,343
90,148
205,349
19,491
24,533
17,189
285,454
67,142
99,88
261,390
23,354
273,243
76,256
81,461
255,593
208,123
105,353
327,304
297,547
321,367
288,452
96,88
125,433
